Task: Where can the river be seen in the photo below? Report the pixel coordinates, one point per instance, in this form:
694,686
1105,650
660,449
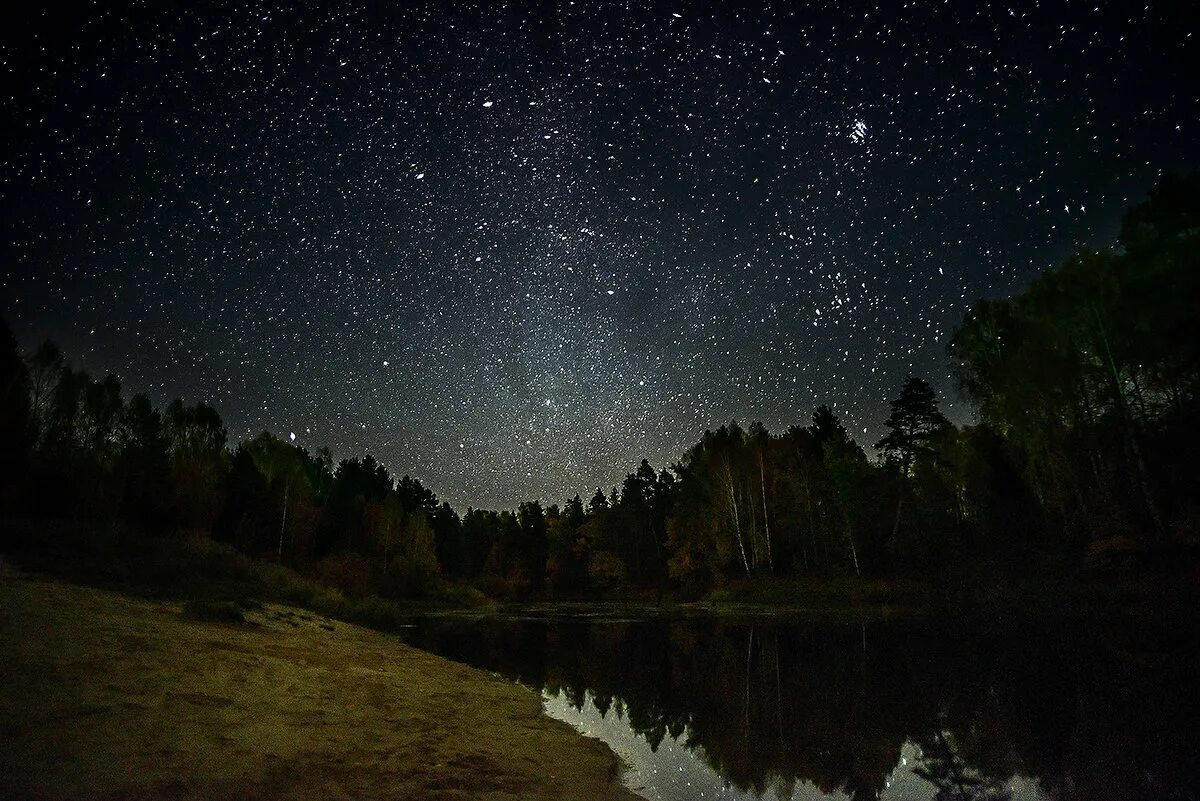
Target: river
776,706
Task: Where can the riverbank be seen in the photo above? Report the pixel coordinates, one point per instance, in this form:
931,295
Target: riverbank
181,568
107,696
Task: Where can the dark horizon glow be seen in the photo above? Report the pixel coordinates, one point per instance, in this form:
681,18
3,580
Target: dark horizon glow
513,249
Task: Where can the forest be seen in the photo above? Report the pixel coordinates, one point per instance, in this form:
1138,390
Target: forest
1082,460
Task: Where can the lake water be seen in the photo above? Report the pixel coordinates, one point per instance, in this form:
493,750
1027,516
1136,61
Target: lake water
782,707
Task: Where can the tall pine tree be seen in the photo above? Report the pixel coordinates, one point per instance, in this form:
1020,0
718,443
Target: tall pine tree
913,424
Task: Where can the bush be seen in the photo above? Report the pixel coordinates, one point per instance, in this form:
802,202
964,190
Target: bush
720,595
213,611
464,596
377,613
494,586
606,571
350,574
409,577
330,603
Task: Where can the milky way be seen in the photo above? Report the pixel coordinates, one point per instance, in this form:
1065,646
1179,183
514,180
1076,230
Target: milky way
512,249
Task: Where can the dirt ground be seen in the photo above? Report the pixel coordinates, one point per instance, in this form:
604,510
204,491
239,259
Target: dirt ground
104,696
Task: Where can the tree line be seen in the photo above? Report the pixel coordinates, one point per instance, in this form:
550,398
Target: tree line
1085,384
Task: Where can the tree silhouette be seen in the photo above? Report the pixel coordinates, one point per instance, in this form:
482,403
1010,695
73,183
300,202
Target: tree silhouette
913,425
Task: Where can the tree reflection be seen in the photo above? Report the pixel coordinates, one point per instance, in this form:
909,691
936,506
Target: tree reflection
954,779
772,703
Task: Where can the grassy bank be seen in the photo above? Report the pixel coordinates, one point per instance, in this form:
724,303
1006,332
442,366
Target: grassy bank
181,568
108,696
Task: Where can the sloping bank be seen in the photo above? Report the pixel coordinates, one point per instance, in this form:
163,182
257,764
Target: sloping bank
103,696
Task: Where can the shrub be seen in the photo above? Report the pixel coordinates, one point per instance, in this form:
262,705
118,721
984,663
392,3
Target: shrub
494,586
411,577
720,595
213,611
377,613
330,603
464,596
606,571
350,574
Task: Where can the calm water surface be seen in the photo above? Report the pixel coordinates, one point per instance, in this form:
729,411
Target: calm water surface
778,707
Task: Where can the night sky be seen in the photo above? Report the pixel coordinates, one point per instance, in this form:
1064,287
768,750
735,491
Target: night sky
512,249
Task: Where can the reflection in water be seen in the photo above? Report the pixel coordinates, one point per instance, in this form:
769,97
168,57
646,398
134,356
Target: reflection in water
676,772
779,708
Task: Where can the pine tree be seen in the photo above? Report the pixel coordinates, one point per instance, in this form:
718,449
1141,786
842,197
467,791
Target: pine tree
913,424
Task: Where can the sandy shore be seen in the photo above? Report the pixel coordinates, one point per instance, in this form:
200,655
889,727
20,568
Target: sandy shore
104,696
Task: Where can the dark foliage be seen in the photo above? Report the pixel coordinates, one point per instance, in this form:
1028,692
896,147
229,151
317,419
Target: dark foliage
1086,385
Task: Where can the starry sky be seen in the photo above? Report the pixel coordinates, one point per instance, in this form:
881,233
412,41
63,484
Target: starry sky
513,248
